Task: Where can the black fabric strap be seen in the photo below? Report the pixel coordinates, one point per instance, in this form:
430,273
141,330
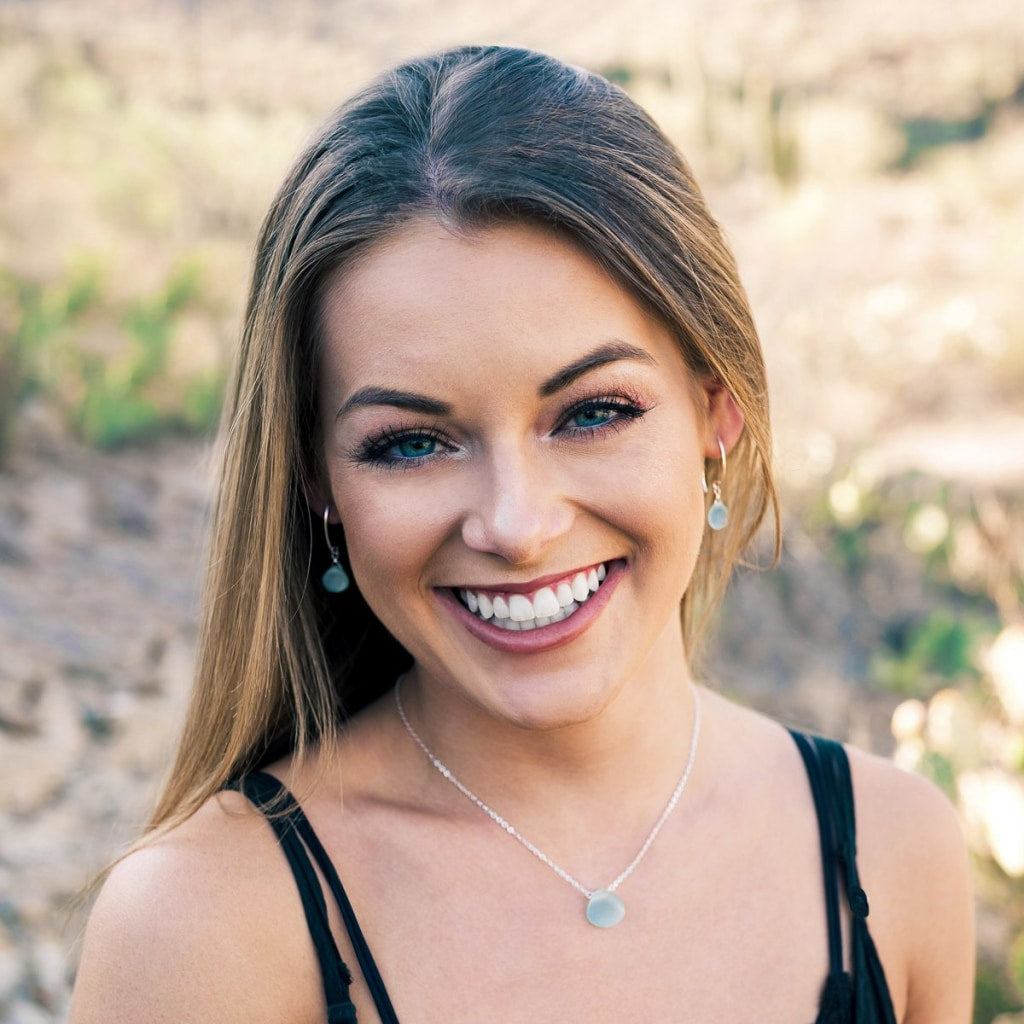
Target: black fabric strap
285,817
863,998
367,965
828,851
872,1001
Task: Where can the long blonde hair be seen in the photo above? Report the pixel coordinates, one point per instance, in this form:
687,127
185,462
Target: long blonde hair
476,136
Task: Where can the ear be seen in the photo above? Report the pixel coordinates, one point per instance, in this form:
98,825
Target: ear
723,419
317,506
318,497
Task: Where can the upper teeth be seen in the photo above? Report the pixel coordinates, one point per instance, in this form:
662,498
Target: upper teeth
541,608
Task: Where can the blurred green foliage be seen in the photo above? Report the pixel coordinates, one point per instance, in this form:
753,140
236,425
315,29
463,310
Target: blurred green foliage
922,657
921,135
105,364
993,994
1017,963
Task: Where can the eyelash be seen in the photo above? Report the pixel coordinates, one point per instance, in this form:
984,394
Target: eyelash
374,450
625,409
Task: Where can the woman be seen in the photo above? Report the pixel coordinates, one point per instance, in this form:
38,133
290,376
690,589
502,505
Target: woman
499,415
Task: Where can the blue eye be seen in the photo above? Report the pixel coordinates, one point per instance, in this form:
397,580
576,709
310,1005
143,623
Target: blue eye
593,415
401,448
596,416
414,447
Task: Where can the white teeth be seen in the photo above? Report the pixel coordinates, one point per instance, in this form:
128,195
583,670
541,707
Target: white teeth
545,604
520,608
531,624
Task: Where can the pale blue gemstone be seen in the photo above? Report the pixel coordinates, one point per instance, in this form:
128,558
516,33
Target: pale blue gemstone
605,909
718,515
335,580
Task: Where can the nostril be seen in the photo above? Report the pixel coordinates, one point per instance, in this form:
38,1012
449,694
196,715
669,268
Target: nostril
514,509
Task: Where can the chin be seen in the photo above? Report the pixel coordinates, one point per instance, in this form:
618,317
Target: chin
550,705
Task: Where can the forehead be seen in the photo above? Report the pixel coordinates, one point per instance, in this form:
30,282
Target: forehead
428,298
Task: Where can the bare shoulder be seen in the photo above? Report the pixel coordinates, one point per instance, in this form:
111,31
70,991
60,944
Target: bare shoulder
203,924
907,828
914,866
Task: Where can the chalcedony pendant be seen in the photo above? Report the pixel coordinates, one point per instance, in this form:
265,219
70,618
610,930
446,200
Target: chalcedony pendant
605,909
718,515
335,580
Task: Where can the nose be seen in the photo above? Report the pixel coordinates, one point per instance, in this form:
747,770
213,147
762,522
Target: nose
517,508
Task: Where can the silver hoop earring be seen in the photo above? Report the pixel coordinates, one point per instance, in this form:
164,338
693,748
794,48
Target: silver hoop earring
718,514
335,580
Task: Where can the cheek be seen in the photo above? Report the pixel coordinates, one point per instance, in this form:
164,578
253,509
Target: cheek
660,503
391,532
660,476
666,506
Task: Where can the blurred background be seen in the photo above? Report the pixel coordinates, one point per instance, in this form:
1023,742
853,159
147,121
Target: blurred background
867,162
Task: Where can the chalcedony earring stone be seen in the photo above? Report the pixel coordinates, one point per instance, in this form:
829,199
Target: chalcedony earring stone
718,515
605,909
335,580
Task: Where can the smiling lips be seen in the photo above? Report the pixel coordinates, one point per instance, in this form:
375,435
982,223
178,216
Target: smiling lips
543,607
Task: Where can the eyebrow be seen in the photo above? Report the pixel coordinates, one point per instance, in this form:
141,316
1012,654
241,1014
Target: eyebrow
408,400
611,352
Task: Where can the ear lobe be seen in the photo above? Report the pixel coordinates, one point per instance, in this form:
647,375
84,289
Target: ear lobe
724,420
318,499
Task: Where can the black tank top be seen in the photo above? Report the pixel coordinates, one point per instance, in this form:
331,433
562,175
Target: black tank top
858,996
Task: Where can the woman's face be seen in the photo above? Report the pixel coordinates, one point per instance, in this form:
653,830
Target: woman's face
515,450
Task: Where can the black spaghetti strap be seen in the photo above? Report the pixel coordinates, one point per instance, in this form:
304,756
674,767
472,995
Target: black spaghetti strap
298,833
872,1001
367,965
828,852
836,767
282,813
837,994
861,996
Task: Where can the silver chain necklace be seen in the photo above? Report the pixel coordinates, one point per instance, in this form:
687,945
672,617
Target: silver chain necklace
604,907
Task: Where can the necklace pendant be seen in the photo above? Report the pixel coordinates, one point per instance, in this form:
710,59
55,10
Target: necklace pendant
605,909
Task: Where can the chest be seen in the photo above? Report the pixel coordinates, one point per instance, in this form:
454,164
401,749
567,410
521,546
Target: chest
472,927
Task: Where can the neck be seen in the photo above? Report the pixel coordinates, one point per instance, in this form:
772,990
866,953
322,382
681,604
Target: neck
562,779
